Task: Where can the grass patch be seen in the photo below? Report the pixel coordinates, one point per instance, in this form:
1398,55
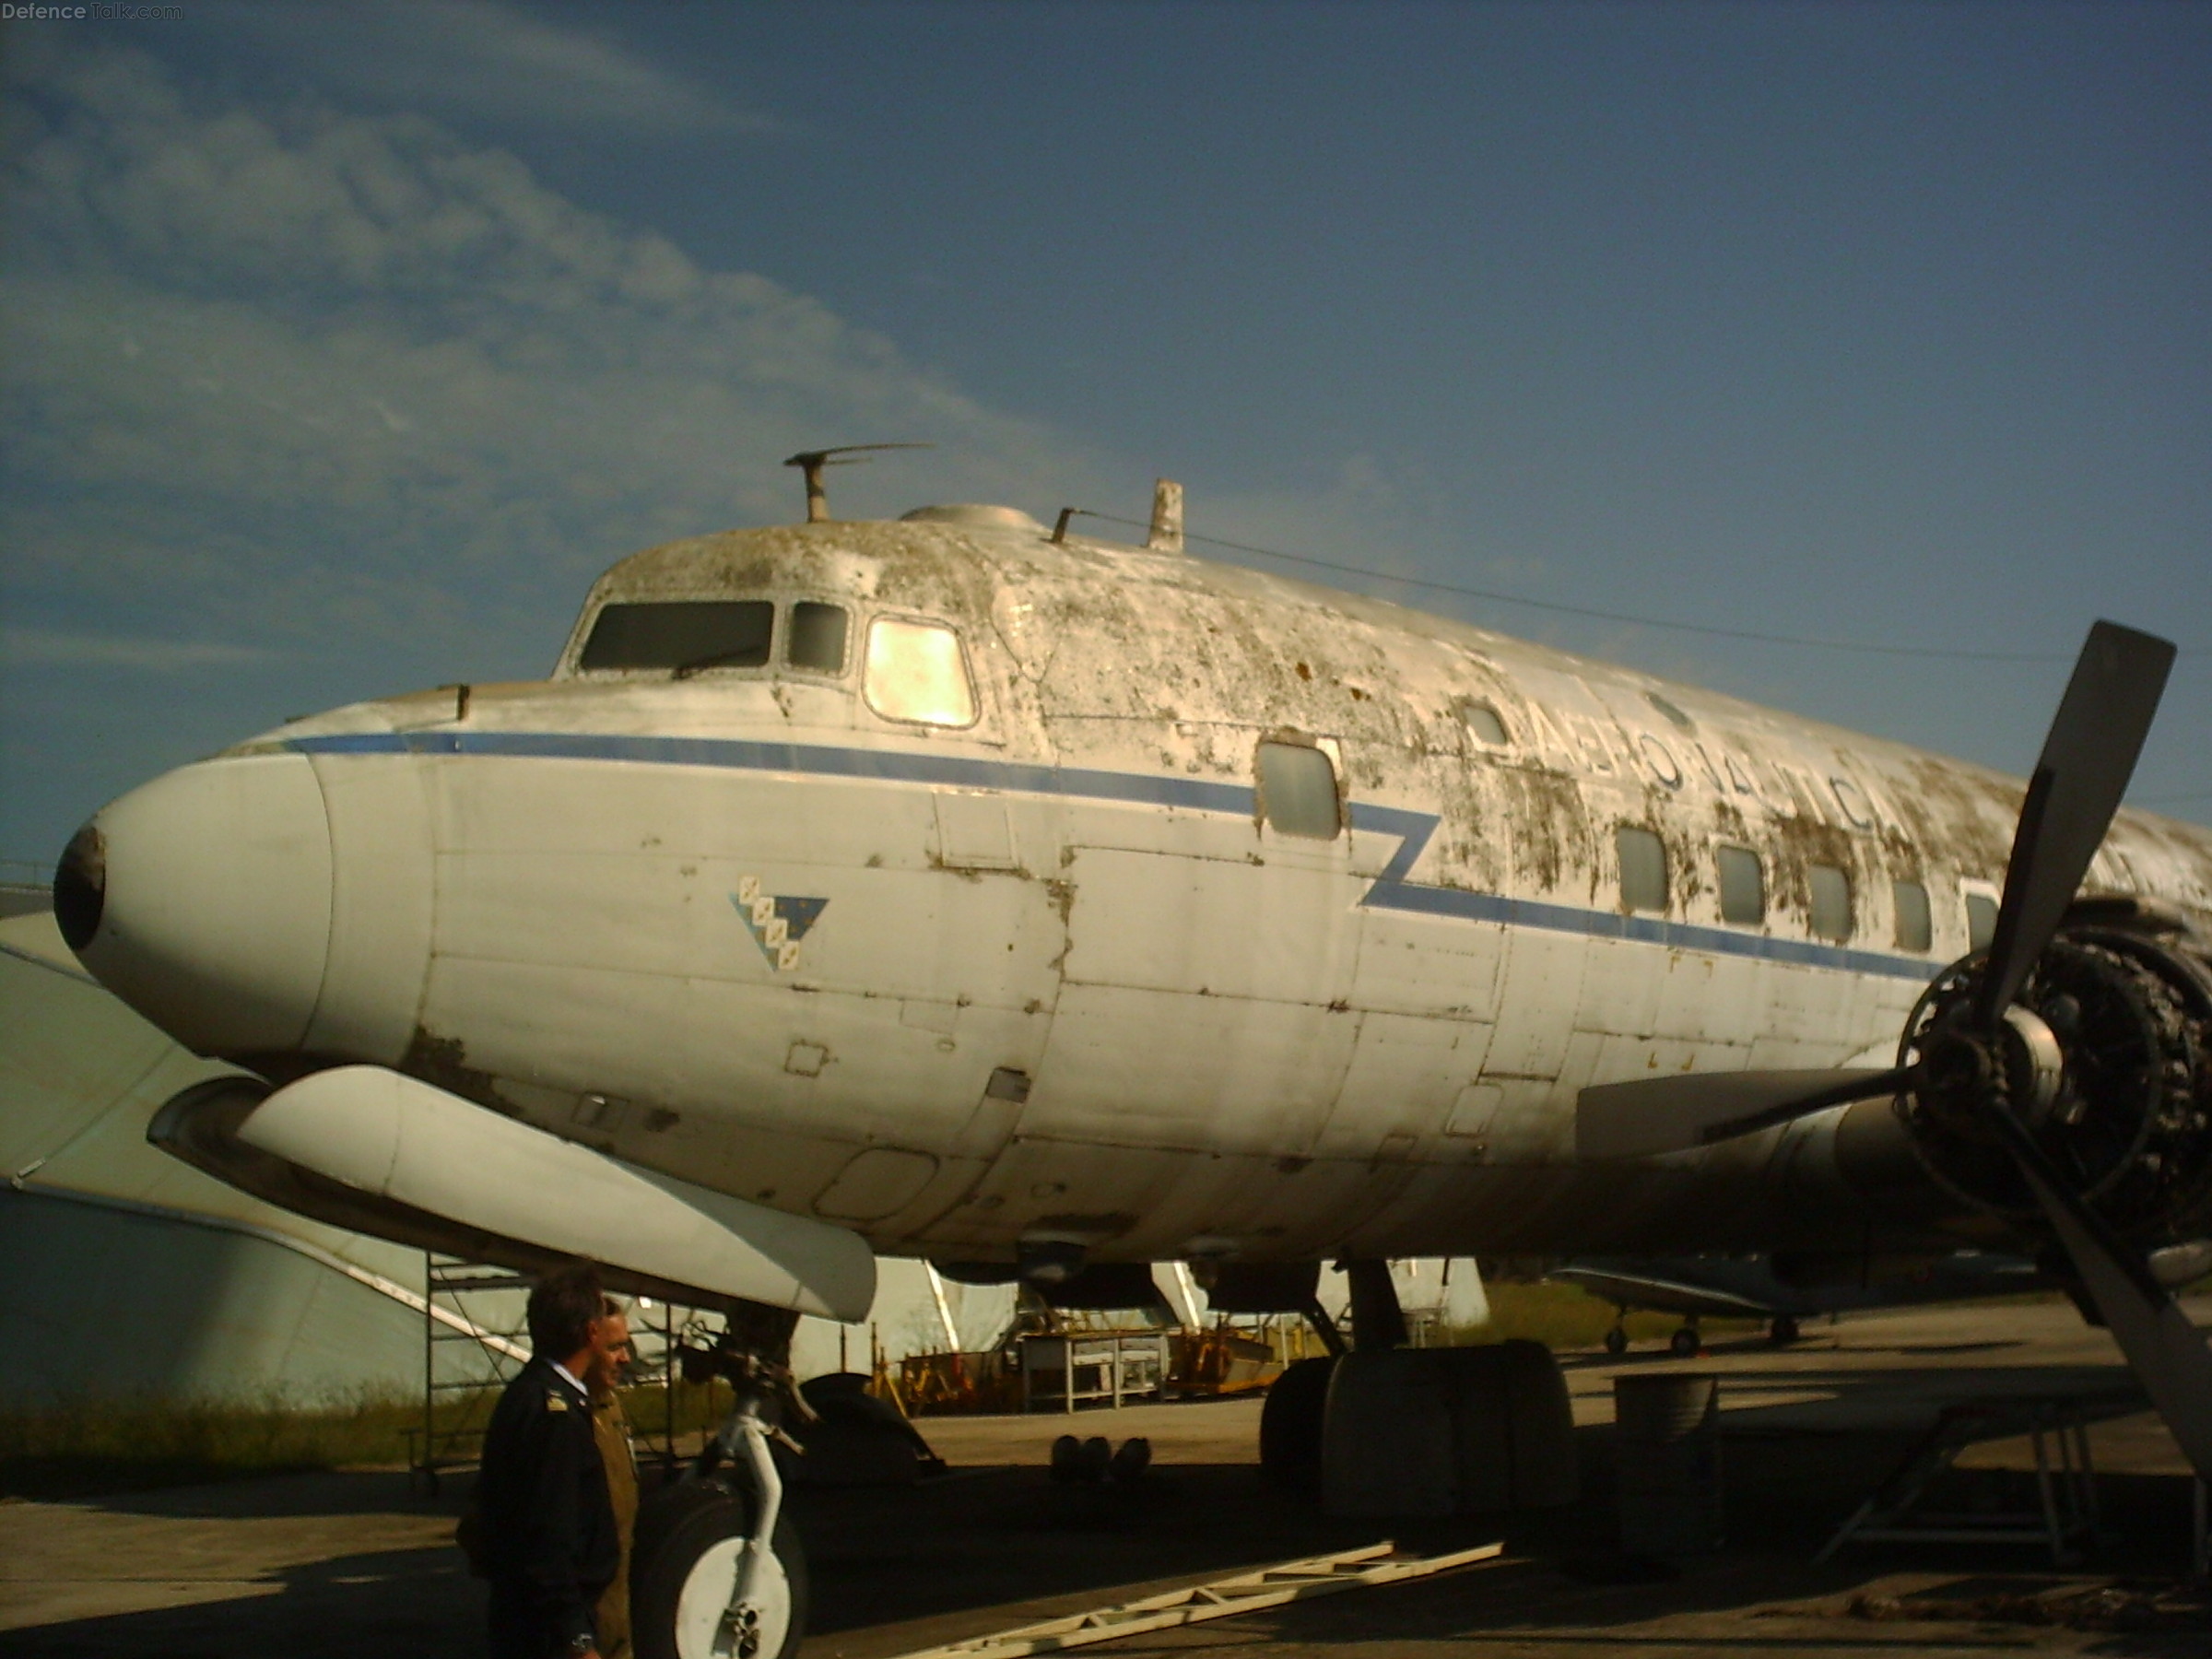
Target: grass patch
83,1447
117,1444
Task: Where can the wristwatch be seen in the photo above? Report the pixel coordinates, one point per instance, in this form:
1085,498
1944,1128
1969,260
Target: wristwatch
583,1643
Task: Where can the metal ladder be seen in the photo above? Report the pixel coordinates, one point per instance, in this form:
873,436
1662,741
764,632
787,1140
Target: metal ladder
468,1349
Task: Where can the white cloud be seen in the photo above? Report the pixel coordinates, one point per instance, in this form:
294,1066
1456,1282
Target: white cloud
271,374
487,60
33,647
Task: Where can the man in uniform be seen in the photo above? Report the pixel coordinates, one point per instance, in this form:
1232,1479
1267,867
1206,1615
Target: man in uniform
610,1427
549,1540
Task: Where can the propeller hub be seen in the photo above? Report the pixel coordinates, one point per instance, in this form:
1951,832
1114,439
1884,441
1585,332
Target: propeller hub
2105,1059
1963,1073
2034,1064
1959,1073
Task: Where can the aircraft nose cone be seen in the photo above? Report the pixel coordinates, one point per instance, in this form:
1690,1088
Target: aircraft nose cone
203,899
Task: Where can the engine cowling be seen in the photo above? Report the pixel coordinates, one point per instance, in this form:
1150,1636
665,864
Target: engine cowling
2106,1055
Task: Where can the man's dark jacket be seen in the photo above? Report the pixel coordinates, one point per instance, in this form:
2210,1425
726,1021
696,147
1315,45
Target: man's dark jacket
549,1540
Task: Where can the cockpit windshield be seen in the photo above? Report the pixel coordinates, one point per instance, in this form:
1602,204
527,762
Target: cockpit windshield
690,633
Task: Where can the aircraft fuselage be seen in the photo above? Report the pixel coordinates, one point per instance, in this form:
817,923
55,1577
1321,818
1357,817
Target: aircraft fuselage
1226,914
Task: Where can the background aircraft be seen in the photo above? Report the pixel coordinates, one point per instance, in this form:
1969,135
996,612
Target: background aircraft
1755,1287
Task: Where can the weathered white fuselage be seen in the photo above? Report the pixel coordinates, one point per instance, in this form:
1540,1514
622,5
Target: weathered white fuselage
1057,974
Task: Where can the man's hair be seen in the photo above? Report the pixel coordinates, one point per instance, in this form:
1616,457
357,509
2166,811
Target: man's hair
562,1306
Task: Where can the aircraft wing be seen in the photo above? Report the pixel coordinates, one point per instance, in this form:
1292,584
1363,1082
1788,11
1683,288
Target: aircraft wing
1662,1286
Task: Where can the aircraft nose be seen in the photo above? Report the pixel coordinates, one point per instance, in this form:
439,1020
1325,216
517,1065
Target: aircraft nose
203,899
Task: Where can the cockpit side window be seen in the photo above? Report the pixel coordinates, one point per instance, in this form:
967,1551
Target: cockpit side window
915,671
688,633
816,638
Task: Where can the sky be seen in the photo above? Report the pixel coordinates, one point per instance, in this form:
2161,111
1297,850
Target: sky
341,346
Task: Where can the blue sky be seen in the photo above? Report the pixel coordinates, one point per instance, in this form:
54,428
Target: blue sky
343,345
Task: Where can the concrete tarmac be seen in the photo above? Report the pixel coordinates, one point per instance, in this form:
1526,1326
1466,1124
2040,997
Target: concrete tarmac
349,1564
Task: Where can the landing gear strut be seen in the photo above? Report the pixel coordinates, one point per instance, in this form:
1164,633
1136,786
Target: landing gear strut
719,1572
1291,1415
1388,1430
1377,1320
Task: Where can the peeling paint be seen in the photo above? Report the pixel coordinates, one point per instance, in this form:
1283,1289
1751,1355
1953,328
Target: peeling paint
1099,659
443,1061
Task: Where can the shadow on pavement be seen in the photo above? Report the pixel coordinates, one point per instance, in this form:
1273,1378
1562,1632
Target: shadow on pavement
338,1493
896,1570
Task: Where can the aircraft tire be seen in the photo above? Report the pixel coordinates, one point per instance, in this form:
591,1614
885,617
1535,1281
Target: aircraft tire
1684,1344
690,1541
660,1508
1617,1341
1783,1332
1291,1423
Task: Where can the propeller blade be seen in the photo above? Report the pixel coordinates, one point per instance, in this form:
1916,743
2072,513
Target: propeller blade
1650,1116
2166,1351
2086,760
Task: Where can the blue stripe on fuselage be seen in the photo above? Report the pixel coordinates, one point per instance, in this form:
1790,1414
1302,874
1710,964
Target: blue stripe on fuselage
1390,890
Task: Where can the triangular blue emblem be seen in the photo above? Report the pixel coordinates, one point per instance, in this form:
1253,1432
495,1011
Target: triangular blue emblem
777,920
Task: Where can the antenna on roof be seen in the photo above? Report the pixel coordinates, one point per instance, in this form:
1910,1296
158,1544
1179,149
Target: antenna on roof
1166,535
813,461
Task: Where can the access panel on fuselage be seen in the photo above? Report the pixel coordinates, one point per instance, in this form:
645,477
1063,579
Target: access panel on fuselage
780,952
1206,992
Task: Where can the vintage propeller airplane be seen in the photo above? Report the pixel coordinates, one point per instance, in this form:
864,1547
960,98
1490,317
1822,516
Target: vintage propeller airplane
1759,1286
950,886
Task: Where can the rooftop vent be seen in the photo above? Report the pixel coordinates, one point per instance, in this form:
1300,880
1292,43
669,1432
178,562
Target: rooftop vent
976,515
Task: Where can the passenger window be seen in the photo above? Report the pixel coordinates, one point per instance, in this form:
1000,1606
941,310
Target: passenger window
1298,791
1482,720
694,635
916,671
1642,869
1743,886
817,637
1915,929
1981,920
1831,903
